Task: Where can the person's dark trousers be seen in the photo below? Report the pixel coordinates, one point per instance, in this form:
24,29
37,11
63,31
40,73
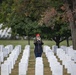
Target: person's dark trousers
38,54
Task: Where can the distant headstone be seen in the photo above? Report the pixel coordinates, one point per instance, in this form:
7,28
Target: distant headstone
1,56
54,48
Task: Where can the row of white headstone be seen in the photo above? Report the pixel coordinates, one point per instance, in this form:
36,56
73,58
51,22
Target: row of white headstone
55,66
70,52
5,33
39,67
8,64
4,51
23,64
68,57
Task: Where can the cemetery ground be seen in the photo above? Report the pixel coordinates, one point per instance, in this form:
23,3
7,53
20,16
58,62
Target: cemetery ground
31,66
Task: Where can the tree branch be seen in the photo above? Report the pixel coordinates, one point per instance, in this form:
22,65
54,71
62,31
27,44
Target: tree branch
63,39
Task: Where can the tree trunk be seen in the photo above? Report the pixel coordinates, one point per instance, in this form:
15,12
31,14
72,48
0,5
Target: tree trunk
73,33
57,40
67,39
73,29
71,12
28,40
57,43
74,39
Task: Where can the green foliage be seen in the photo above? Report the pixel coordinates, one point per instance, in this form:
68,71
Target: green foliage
23,17
61,29
23,25
5,10
56,3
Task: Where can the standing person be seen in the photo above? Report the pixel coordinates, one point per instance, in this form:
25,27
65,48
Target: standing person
38,46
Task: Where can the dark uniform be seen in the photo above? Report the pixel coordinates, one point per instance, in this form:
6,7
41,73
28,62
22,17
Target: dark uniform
38,48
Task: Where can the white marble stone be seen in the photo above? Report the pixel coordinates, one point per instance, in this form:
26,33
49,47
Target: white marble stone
4,69
1,56
39,68
54,48
57,70
74,57
1,48
5,52
23,68
9,48
64,48
23,65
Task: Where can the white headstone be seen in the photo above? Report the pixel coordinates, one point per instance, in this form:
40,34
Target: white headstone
1,56
4,69
54,48
39,66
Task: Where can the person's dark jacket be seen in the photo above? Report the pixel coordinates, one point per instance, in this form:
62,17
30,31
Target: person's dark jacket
38,46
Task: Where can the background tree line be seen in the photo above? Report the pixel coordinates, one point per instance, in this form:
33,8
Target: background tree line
53,19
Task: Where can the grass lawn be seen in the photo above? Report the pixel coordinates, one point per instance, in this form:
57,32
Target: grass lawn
31,67
25,42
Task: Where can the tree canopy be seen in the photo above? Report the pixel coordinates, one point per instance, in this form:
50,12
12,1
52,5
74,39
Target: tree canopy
28,17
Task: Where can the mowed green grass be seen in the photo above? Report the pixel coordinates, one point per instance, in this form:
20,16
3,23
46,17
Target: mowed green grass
31,67
25,42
